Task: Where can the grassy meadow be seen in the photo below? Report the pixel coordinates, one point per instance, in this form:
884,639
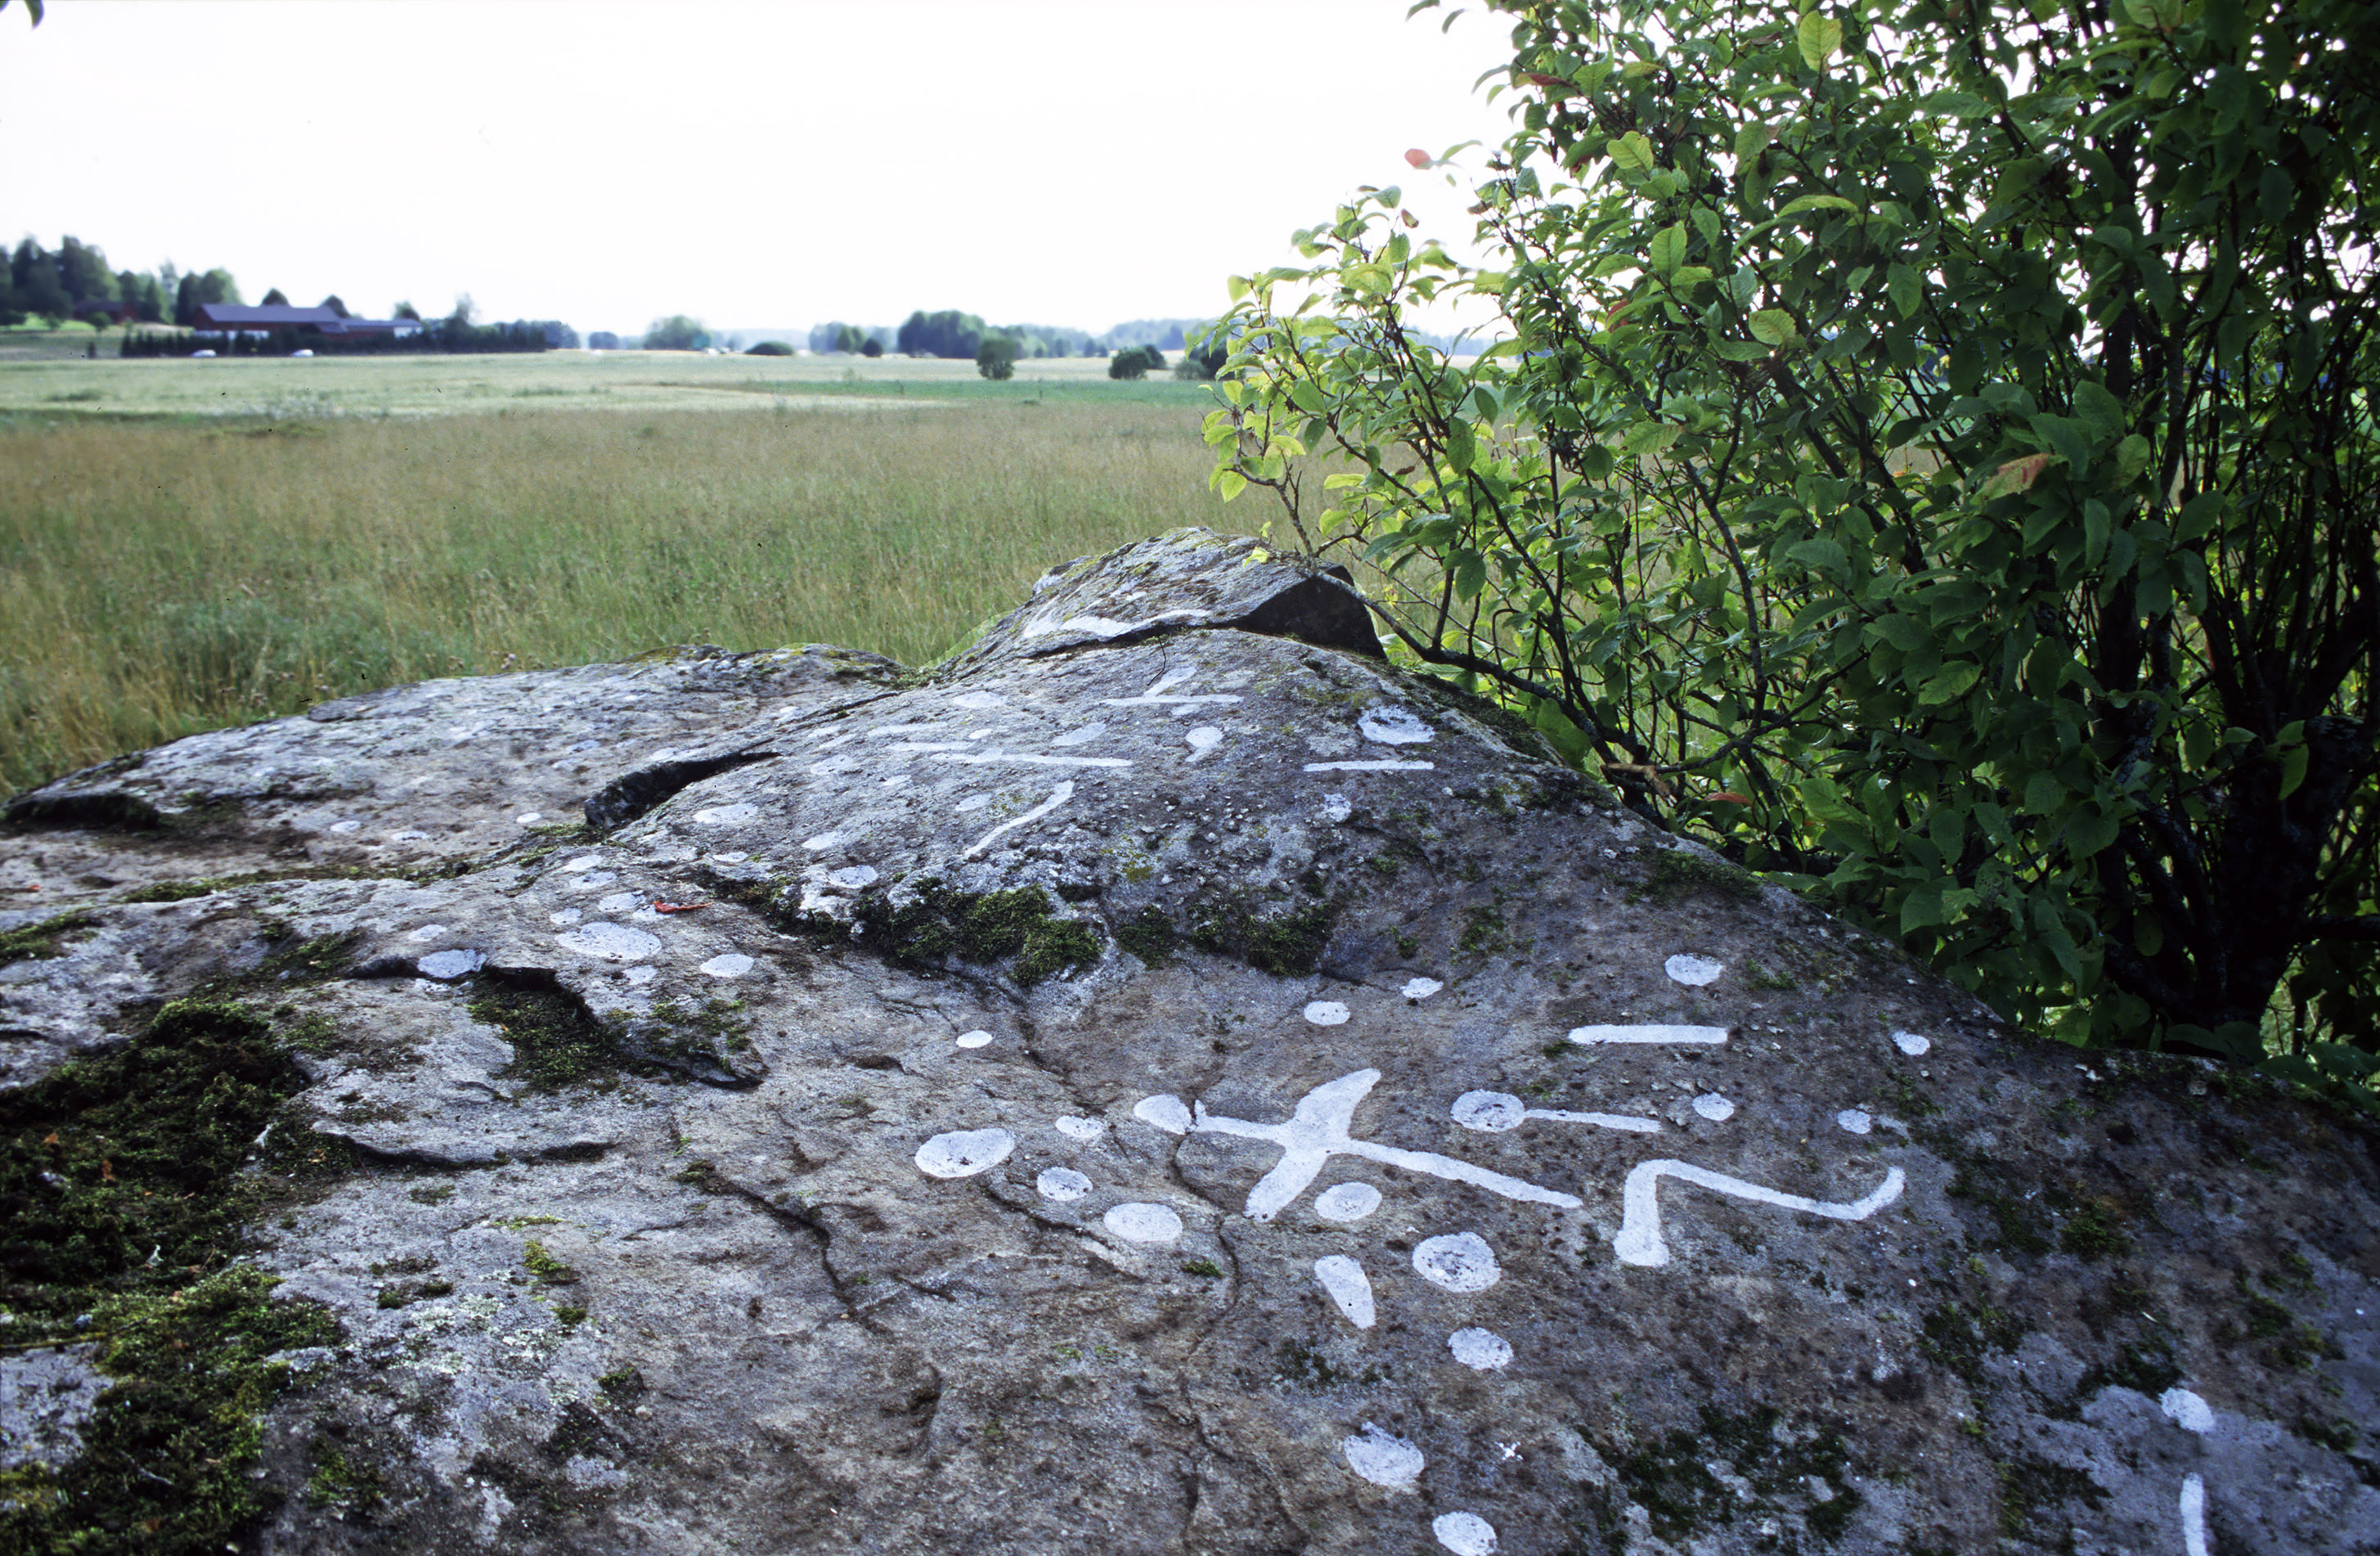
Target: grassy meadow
166,568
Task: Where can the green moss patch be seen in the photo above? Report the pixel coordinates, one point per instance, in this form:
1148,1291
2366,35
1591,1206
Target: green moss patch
1149,935
29,943
1675,1479
556,1042
1284,944
168,1450
1677,872
935,923
133,1152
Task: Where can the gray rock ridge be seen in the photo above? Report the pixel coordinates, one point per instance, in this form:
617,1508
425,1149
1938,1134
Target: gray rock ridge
1183,579
1204,1092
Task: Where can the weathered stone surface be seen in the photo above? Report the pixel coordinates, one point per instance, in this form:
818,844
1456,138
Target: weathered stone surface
1185,1089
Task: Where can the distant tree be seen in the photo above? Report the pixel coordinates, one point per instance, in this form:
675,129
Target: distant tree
33,273
770,348
142,291
335,306
676,333
465,311
82,271
871,347
275,297
946,334
995,358
405,310
603,340
1201,363
1131,362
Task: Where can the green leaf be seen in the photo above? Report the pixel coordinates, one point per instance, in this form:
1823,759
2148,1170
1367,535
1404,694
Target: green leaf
1821,38
2100,411
2293,769
1950,684
1741,351
1907,289
2132,458
1230,483
1633,153
1751,140
1774,326
1817,202
2089,831
1669,249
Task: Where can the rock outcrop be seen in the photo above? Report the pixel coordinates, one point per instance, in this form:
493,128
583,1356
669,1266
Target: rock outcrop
1168,1082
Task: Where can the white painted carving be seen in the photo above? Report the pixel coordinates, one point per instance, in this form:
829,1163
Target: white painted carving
1371,766
726,815
611,942
1492,1112
1058,796
1169,1113
1336,808
1326,1012
1693,971
731,964
594,880
1202,741
823,842
1155,696
426,932
621,902
1394,727
1082,737
1466,1533
447,966
965,1152
2193,1516
1483,1350
1460,1261
978,700
973,1039
1639,1242
976,757
855,879
1421,987
1348,1286
1316,1131
1082,1128
1912,1043
1588,1036
1062,1184
1346,1201
2187,1410
639,977
1715,1108
1855,1120
1144,1223
1383,1458
568,916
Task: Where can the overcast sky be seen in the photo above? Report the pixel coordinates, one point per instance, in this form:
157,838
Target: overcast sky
761,163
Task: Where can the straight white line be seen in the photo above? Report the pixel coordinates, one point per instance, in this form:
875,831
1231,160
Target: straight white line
1583,1035
1371,766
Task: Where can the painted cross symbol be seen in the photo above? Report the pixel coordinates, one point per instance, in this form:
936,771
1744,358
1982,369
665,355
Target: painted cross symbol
1318,1130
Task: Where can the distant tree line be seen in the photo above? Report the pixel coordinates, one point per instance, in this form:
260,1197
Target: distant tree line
435,336
50,284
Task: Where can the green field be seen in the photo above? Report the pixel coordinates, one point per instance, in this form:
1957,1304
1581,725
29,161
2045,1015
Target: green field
186,544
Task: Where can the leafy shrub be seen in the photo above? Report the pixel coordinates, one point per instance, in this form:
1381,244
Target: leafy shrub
996,358
1933,465
1135,362
770,348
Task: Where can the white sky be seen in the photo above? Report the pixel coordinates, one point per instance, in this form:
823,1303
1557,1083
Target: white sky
749,162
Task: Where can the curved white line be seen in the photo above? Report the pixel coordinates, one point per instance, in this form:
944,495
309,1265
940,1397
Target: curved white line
1058,796
1640,1243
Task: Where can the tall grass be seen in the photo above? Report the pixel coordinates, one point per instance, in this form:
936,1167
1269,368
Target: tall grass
157,579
